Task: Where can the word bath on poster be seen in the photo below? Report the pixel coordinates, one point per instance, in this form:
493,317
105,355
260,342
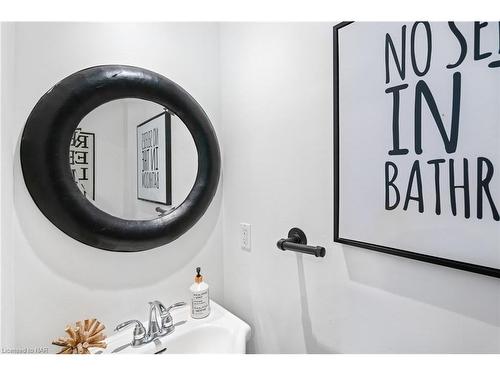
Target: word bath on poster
417,136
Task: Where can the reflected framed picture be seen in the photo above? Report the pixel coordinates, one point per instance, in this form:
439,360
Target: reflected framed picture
154,160
417,141
82,161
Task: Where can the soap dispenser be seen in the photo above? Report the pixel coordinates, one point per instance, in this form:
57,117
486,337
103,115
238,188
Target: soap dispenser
200,299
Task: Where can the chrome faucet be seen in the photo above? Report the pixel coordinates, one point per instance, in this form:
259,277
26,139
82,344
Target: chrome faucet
160,323
154,325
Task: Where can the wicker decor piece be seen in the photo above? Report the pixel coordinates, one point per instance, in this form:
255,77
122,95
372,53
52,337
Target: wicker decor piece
86,334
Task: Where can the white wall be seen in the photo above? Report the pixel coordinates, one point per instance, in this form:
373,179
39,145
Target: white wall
7,189
49,279
1,279
276,108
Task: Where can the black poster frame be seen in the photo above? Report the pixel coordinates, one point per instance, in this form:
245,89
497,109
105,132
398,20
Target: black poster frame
470,267
168,158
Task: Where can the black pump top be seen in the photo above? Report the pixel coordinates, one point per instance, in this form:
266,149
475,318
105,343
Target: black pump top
198,270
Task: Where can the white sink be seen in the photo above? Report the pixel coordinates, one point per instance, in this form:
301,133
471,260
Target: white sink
220,332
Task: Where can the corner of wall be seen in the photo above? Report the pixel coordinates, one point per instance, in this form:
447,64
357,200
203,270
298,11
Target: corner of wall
1,294
7,67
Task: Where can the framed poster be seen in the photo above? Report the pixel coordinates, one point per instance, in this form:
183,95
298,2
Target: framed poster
417,141
154,160
82,161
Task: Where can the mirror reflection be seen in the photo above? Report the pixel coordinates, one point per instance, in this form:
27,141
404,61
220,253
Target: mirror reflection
133,159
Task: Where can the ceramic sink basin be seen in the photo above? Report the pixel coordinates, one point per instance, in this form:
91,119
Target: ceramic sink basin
220,332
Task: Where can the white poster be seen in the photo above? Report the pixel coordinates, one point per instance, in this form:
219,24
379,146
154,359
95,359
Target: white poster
417,125
154,160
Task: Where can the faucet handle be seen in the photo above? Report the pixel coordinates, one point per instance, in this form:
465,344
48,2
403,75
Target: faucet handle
175,305
139,331
166,310
166,318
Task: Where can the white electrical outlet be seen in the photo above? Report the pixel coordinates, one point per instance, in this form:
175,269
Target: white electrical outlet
245,236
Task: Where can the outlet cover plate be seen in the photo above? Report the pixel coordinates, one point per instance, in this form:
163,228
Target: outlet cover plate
246,236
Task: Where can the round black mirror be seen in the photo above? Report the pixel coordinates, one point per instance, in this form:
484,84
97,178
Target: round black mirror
47,157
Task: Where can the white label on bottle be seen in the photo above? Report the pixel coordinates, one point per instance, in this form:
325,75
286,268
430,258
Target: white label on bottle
200,307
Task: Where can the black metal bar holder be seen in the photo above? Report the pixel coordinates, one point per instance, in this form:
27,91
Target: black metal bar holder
297,241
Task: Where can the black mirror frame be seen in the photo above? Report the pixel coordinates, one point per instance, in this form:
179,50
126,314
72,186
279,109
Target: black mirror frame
45,148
